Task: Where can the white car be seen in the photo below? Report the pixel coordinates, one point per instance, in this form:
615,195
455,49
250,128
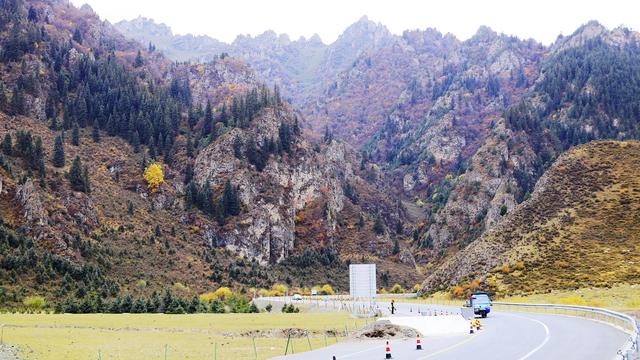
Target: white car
297,297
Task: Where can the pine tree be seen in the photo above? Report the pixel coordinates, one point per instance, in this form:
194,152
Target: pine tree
255,156
85,180
237,147
17,102
219,212
135,142
50,109
296,127
138,61
152,151
38,153
378,225
328,136
3,97
77,36
32,15
168,157
205,199
75,135
230,200
95,133
188,173
76,177
285,137
224,117
396,246
208,120
53,125
189,146
190,195
7,146
130,207
58,152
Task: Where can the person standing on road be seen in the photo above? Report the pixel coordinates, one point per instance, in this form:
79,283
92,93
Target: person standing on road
393,307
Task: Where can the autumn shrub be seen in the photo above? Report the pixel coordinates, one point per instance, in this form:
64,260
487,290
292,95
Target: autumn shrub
208,297
457,291
326,289
34,303
223,293
396,289
475,284
505,268
278,289
154,177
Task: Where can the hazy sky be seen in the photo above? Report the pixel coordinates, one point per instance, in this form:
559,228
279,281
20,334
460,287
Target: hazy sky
542,20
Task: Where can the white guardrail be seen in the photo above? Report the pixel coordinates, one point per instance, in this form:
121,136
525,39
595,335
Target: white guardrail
629,351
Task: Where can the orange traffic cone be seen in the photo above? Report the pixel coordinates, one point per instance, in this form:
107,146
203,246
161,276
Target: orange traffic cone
418,342
471,327
387,351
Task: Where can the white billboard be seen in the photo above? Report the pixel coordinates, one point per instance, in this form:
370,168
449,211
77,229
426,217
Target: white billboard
362,281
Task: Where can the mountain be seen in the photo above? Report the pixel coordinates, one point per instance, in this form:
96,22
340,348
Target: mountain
285,161
579,228
302,67
176,47
126,174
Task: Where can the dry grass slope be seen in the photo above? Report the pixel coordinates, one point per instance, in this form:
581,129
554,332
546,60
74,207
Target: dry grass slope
580,228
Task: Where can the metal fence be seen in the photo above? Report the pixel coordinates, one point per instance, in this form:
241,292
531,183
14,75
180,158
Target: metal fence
629,351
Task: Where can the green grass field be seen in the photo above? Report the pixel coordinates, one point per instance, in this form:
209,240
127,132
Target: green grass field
146,336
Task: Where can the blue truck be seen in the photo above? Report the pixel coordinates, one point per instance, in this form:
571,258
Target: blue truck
481,303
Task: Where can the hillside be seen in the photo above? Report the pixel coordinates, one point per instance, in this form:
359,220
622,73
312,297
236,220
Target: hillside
246,201
580,228
285,161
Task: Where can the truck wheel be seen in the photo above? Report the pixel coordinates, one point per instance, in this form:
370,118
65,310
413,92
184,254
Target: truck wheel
484,314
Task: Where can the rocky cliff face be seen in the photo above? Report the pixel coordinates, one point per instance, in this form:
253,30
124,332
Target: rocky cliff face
273,196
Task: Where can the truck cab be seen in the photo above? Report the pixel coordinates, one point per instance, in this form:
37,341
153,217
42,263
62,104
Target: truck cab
481,303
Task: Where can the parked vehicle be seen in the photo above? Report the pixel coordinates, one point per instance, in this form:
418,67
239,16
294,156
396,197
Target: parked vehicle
296,297
481,303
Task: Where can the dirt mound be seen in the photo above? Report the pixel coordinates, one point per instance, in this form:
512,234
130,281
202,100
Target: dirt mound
277,333
384,329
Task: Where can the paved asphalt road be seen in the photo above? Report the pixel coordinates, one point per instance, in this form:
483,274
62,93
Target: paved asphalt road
506,335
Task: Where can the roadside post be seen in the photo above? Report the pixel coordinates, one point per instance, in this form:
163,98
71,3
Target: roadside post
255,351
286,349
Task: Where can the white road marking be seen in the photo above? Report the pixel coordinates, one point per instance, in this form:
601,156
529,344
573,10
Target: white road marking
377,348
451,347
546,336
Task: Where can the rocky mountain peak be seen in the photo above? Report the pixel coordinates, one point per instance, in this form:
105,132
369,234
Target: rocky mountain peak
146,25
619,36
364,29
485,34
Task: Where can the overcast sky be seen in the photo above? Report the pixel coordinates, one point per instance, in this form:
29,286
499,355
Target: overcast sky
542,20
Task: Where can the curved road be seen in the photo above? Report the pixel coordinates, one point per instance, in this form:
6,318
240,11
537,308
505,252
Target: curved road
505,335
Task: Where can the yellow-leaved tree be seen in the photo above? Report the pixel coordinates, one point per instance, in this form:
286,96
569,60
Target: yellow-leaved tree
153,176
